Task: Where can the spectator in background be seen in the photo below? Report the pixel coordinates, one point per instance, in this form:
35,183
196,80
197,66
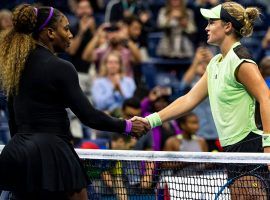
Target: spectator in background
265,69
158,99
187,141
112,87
178,24
83,31
266,44
117,40
5,20
113,176
207,128
134,26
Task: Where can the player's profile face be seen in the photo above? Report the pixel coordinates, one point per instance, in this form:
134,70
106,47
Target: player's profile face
62,35
215,31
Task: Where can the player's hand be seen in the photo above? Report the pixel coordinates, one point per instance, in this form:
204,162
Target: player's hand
140,126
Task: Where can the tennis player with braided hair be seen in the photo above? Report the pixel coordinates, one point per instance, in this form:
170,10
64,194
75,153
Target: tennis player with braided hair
39,162
232,81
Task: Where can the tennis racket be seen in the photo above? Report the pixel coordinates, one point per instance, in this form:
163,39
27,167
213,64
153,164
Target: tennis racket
248,184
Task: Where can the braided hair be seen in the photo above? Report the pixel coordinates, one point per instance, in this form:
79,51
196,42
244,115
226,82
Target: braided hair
17,43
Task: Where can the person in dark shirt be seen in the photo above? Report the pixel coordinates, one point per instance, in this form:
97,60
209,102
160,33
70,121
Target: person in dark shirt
39,162
82,31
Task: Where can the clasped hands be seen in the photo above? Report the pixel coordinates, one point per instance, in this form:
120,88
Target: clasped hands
140,126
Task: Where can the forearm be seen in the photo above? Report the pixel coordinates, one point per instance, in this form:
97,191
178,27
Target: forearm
176,109
190,74
135,51
89,49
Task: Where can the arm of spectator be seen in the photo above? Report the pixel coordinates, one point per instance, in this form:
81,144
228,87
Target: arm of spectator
202,54
128,87
190,27
85,24
172,144
88,53
203,144
135,52
162,20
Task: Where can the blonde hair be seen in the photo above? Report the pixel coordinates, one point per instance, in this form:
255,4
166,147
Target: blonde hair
169,8
103,68
246,16
15,47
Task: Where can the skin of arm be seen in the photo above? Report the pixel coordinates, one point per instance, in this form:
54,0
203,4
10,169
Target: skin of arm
135,51
85,23
187,102
87,54
249,75
203,144
172,144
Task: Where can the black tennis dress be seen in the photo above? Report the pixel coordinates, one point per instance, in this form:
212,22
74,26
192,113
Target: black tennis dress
40,155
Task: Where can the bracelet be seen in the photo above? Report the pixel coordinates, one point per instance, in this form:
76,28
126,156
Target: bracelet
154,120
266,140
128,126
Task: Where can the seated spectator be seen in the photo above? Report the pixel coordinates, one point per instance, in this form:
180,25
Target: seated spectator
5,20
187,141
117,40
158,99
178,24
112,87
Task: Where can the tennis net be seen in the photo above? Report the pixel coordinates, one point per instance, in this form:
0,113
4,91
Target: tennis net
132,175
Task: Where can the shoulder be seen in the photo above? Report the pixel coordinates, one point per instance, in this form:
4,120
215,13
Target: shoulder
59,63
242,52
60,69
173,140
